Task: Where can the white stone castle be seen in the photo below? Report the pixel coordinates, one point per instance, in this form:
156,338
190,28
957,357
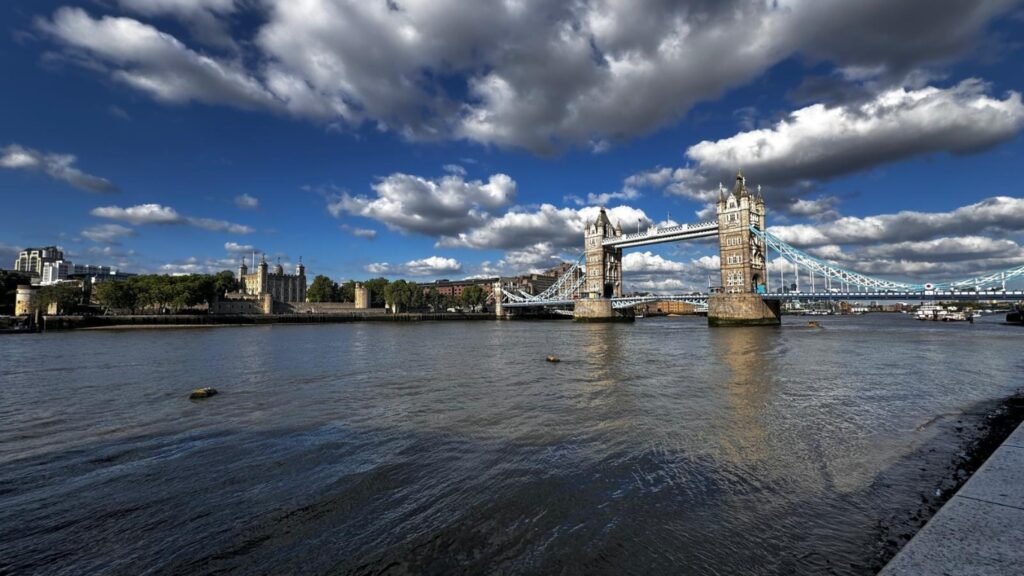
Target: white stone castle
280,286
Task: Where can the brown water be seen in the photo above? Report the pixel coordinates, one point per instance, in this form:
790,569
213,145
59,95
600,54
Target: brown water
446,448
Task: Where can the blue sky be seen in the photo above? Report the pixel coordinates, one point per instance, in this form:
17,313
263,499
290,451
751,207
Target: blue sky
440,139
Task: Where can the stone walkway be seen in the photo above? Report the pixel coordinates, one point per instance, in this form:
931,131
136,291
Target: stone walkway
980,530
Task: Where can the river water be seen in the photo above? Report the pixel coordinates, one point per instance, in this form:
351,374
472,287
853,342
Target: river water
447,448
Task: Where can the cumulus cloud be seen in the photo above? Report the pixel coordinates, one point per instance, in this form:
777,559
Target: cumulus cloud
140,56
818,209
57,166
158,214
939,260
820,142
247,202
520,228
107,233
533,74
203,17
1000,213
414,204
650,263
432,266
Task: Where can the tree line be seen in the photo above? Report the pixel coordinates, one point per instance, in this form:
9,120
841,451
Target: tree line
400,295
162,293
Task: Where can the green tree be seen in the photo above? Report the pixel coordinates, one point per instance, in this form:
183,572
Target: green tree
116,296
376,286
67,297
416,298
433,299
224,282
347,291
397,295
323,289
473,296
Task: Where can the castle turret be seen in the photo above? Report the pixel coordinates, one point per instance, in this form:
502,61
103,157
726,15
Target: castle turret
262,275
300,270
243,270
278,269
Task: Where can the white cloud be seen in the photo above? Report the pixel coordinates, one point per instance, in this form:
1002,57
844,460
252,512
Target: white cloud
650,263
247,202
141,214
540,75
454,169
606,198
202,17
236,248
157,63
820,142
1001,213
521,228
431,266
107,233
819,209
419,205
194,265
56,166
366,233
158,214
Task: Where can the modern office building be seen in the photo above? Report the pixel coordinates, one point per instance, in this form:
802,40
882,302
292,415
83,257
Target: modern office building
32,260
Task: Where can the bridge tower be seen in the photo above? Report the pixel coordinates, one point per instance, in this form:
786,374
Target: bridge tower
741,300
604,265
604,273
742,253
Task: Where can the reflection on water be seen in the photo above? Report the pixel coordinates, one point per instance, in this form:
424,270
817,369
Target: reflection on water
747,388
654,447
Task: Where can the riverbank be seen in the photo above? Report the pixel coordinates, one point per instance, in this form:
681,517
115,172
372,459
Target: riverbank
224,320
980,431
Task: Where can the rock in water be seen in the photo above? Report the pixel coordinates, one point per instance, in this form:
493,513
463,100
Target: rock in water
202,393
553,359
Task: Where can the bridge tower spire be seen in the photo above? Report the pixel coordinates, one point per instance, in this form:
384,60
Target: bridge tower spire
742,253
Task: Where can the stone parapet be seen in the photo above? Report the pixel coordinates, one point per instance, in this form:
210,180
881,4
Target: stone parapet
743,310
599,310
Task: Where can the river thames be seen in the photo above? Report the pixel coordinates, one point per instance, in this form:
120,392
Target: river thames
661,446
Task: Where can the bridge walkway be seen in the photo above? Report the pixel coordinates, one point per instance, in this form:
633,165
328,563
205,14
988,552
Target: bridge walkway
980,530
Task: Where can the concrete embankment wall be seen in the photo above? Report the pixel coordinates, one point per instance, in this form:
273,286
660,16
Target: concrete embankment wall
372,315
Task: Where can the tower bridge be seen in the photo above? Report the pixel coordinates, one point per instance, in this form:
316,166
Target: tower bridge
592,287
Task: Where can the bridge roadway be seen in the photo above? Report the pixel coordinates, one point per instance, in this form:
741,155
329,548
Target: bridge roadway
659,235
960,296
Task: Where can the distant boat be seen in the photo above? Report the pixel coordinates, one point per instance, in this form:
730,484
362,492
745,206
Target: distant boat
1015,316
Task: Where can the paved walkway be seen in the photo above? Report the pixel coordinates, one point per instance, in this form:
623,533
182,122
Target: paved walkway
980,530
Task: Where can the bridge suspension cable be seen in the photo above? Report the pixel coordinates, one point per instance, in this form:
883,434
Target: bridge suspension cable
844,275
